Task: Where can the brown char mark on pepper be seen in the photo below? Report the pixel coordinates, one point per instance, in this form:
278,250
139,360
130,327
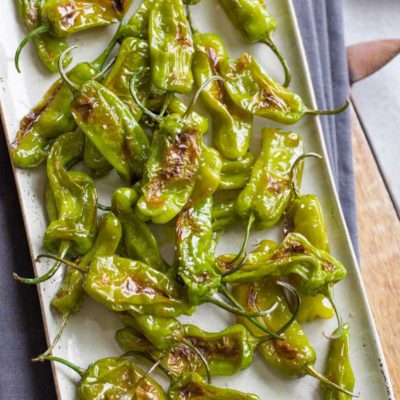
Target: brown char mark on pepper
191,390
85,106
294,248
32,117
226,347
68,14
119,6
182,37
133,285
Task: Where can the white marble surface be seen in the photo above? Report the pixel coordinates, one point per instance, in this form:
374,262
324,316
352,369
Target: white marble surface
378,97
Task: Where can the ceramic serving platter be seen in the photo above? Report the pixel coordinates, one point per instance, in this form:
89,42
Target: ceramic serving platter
90,334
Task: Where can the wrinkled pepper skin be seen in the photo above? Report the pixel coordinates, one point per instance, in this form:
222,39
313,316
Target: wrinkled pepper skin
338,366
191,386
194,245
140,243
74,196
110,126
306,217
48,47
122,284
231,125
95,161
65,17
133,58
117,378
171,47
48,119
224,212
209,176
172,168
269,190
293,353
295,255
235,174
251,18
254,91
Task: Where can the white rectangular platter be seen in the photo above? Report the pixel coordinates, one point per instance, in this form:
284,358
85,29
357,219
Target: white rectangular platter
90,334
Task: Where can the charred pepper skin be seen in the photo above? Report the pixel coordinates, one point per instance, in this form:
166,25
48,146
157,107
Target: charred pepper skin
269,189
338,365
306,217
231,125
48,47
171,47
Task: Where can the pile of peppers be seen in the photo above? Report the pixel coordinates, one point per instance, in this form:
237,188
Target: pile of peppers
127,116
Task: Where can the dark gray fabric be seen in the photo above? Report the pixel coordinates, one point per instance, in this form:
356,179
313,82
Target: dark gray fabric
21,328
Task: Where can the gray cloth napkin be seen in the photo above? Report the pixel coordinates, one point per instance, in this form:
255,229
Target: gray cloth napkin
21,326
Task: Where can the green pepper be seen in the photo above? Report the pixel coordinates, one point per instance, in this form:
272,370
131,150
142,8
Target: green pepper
52,116
224,212
209,176
251,89
140,243
111,127
236,174
48,47
295,255
306,217
231,125
114,378
171,47
257,25
269,189
338,365
191,386
95,161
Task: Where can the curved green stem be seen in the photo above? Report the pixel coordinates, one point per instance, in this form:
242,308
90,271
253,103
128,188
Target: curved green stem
288,76
64,248
297,298
293,170
73,86
315,374
102,58
105,69
25,40
202,358
329,112
63,261
67,363
328,293
167,100
102,207
56,339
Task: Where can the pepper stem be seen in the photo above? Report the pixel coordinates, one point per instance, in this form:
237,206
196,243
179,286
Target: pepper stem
329,112
167,100
250,223
56,339
189,110
190,20
146,111
293,171
40,29
297,298
315,374
288,76
202,358
73,86
63,261
102,207
102,58
328,293
64,248
65,362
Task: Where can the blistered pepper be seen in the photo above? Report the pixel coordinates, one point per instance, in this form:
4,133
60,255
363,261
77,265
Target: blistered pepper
140,243
257,25
52,116
250,88
95,161
171,47
111,127
338,366
209,176
306,217
48,47
231,125
114,378
269,189
224,212
235,174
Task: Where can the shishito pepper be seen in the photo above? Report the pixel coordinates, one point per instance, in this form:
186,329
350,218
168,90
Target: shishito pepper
257,25
191,386
52,116
250,88
171,47
306,217
110,126
269,189
95,161
114,378
140,243
338,366
48,47
224,212
236,173
231,125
